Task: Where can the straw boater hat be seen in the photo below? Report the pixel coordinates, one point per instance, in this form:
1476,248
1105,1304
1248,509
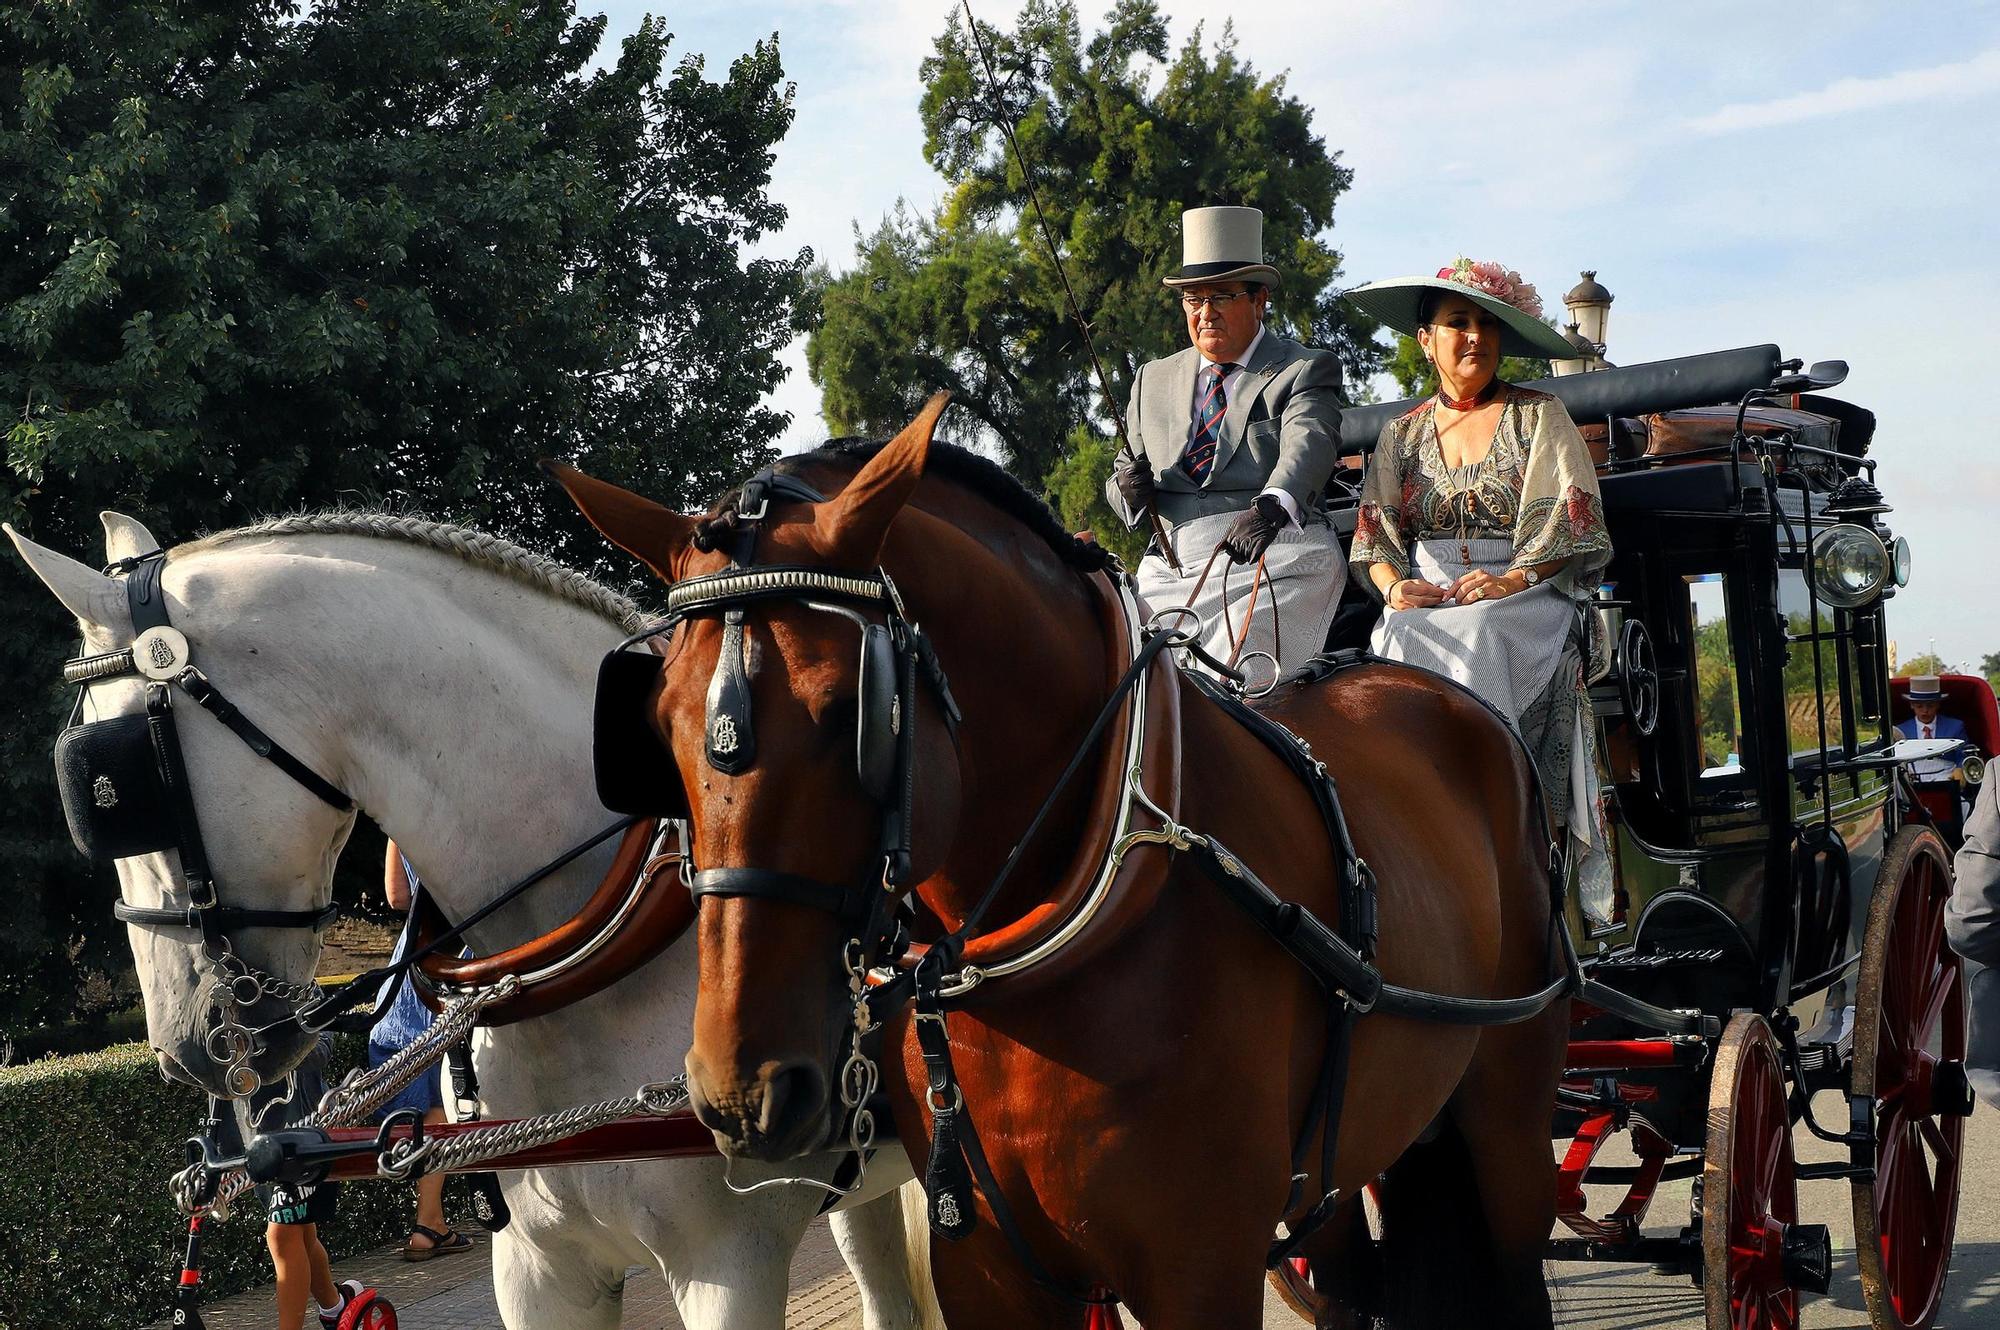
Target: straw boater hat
1926,688
1396,302
1222,245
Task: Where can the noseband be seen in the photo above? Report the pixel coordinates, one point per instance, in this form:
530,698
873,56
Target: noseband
125,792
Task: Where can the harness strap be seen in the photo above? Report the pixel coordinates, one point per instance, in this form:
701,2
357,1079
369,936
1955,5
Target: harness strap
225,915
769,884
211,699
958,1161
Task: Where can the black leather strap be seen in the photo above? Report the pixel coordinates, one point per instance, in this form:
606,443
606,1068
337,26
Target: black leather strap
226,916
767,884
202,691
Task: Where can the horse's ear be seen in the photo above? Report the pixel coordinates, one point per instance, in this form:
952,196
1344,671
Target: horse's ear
125,537
653,533
96,600
851,527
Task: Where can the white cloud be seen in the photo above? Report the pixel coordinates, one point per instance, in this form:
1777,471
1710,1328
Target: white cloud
1965,78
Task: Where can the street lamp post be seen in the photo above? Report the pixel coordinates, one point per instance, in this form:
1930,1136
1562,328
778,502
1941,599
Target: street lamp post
1589,306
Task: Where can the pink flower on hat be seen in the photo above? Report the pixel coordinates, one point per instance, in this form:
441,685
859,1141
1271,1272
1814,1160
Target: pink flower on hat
1489,278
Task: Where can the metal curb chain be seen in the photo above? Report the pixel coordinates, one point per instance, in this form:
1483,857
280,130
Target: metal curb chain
356,1098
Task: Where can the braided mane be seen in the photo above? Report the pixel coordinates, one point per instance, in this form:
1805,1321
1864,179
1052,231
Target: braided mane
478,548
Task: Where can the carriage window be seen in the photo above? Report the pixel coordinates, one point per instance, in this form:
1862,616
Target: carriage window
1804,692
1718,713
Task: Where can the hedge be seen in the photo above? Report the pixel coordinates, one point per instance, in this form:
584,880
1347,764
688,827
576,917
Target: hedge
88,1235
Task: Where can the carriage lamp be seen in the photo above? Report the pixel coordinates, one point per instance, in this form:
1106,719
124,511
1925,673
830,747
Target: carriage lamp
1899,561
1850,565
1582,358
1589,306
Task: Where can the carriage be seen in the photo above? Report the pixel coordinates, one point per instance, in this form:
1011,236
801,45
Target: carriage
1777,929
1780,877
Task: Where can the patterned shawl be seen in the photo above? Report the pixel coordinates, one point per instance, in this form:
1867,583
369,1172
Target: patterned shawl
1537,487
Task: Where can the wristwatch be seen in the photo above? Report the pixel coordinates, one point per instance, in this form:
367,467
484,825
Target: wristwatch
1528,575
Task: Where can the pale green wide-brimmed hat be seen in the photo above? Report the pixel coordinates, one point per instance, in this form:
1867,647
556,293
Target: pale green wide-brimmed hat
1222,245
1396,302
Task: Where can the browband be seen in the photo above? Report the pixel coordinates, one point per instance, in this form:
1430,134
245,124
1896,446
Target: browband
776,581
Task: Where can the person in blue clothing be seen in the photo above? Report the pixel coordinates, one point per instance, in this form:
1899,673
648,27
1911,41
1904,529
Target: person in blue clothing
1928,721
405,1018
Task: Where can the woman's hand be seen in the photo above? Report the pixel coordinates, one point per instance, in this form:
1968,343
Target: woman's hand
1479,585
1413,593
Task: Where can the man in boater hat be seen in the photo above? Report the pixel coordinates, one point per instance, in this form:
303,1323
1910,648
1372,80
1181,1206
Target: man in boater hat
1239,434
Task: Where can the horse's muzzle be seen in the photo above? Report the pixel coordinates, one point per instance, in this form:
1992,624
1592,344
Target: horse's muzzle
780,1114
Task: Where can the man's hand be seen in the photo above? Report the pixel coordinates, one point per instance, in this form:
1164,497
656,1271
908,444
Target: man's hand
1254,531
1134,478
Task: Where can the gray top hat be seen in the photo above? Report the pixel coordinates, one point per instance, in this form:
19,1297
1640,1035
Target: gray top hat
1926,688
1222,245
1397,302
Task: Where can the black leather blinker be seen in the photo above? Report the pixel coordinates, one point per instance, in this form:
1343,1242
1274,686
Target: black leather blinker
635,771
112,794
881,714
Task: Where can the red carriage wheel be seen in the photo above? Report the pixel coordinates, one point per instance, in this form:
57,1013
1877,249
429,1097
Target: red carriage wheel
1749,1191
1909,1054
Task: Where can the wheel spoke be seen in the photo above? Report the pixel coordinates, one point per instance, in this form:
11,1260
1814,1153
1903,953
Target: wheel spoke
1942,1147
1944,983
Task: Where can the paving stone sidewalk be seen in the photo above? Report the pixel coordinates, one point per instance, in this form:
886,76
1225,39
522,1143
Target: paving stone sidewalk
456,1292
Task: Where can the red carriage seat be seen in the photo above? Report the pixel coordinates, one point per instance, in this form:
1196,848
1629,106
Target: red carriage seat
1970,699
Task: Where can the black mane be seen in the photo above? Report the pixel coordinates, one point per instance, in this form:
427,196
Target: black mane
981,475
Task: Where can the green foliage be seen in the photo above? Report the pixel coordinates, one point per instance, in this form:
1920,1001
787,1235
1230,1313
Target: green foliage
1076,491
256,257
1924,664
1718,715
88,1235
1417,377
1121,133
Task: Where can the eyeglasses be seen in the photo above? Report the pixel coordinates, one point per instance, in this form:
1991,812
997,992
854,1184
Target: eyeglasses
1220,302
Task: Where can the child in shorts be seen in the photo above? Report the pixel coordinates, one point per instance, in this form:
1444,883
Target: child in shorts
293,1212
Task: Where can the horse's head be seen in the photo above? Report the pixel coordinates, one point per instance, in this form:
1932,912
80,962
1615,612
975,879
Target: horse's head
804,734
269,843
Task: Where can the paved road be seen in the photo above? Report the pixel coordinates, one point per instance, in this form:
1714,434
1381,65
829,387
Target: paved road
456,1293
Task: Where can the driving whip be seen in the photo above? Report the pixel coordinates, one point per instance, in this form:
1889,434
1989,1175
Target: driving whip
1069,294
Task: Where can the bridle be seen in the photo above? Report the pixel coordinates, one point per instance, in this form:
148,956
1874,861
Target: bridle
896,657
97,764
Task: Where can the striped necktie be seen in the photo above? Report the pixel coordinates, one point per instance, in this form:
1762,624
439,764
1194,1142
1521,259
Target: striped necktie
1200,454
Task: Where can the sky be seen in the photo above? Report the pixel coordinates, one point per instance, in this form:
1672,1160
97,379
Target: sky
1817,176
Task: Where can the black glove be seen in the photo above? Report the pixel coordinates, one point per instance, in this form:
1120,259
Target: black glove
1254,531
1134,479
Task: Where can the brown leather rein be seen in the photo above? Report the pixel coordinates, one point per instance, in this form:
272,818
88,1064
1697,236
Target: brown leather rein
629,919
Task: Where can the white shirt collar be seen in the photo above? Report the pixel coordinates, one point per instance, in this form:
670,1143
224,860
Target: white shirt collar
1249,354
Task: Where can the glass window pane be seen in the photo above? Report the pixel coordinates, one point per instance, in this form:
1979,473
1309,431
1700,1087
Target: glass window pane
1718,713
1802,691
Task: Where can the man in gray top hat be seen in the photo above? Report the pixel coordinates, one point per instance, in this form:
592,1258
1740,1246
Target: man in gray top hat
1239,434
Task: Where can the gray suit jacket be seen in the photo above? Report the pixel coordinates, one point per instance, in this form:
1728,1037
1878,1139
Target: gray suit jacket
1972,922
1282,431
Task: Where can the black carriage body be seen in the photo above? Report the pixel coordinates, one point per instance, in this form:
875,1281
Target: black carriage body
1749,825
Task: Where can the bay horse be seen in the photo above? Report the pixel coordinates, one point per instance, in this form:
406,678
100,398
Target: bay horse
1138,1094
442,678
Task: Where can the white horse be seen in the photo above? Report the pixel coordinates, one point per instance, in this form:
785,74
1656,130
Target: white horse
443,678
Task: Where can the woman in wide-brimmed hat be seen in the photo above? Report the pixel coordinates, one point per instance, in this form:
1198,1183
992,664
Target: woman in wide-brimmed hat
1482,529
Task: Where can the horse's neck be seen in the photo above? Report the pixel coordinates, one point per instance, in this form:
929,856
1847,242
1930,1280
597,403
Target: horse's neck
457,703
1025,652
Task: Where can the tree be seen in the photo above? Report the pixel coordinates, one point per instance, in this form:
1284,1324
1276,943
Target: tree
1924,664
254,258
1121,137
